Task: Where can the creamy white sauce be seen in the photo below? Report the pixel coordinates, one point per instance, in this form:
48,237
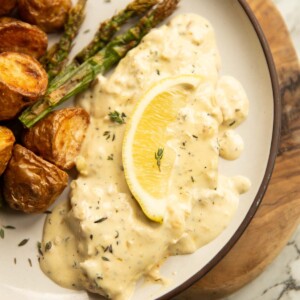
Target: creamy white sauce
101,241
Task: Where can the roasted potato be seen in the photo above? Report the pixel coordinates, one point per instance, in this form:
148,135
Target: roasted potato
11,103
18,36
49,15
30,183
5,20
23,74
6,6
7,141
59,136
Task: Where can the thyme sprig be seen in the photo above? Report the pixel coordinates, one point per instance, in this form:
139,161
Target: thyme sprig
159,156
117,117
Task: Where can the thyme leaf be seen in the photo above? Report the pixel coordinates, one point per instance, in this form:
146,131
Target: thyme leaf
48,246
39,246
22,243
9,227
158,156
110,157
101,220
117,117
105,258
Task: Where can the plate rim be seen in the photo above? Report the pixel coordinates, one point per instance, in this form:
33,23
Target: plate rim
270,164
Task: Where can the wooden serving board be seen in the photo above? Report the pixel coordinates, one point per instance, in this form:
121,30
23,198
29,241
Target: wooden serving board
279,214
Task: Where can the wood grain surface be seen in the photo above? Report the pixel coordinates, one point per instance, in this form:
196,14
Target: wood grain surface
279,214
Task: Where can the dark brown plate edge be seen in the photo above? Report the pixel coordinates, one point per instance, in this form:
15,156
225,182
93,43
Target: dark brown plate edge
270,165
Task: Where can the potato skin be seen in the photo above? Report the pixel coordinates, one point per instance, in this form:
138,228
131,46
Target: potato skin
7,141
11,103
6,6
23,74
31,184
58,137
49,15
18,36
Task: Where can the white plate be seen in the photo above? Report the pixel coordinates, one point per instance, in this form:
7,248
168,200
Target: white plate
245,55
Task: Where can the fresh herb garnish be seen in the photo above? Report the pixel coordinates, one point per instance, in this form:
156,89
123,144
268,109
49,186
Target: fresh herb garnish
110,157
105,258
39,246
108,135
158,156
2,233
9,227
108,248
117,117
101,220
22,243
48,246
30,262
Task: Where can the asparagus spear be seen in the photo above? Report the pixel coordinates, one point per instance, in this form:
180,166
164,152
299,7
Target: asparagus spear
109,27
80,78
56,57
105,32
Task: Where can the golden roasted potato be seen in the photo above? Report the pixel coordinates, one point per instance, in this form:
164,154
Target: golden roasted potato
49,15
7,141
59,136
6,6
22,74
5,20
18,36
30,183
11,103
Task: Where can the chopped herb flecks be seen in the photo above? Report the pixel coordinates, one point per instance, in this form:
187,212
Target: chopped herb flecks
105,258
22,243
101,220
39,246
2,233
108,135
48,246
117,117
158,156
9,227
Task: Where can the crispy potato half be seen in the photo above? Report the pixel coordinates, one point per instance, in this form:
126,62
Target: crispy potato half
6,6
49,15
11,103
58,137
7,141
31,184
18,36
23,74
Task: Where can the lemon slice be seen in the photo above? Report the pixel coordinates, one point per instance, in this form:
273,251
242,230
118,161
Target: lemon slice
148,160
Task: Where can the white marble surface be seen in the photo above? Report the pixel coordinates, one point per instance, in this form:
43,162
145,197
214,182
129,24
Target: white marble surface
281,280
